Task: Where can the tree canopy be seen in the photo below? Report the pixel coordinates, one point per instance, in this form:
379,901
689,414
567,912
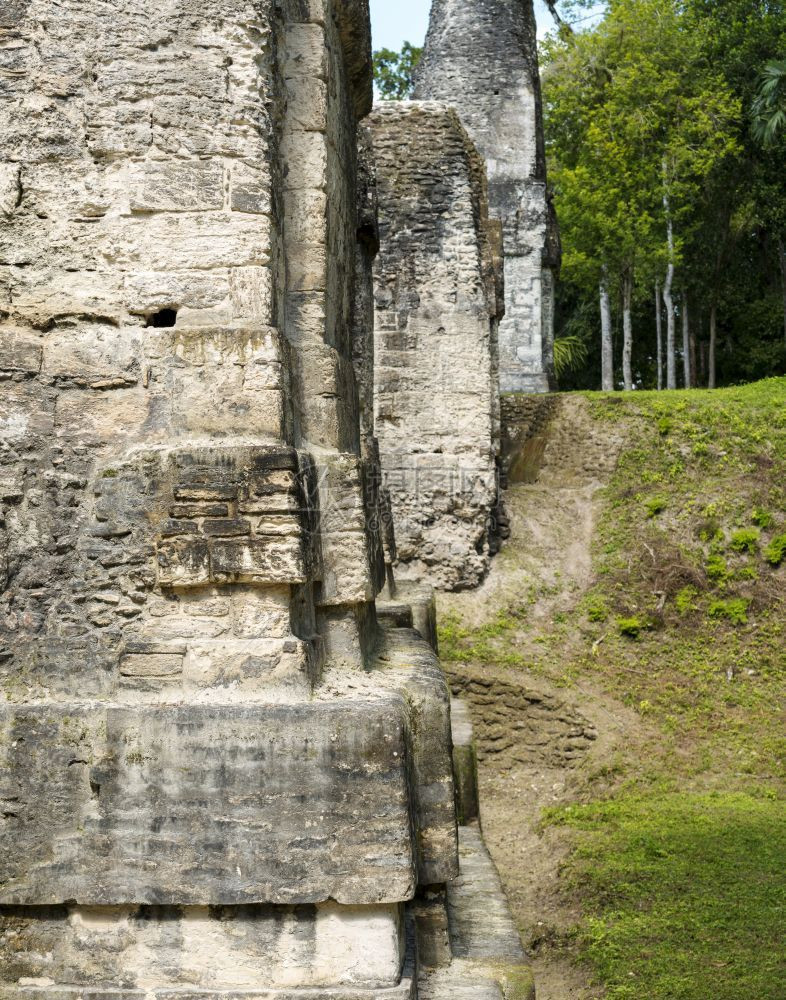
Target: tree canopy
393,71
666,141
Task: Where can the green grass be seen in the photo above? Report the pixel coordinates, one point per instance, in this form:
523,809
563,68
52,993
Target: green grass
680,870
687,895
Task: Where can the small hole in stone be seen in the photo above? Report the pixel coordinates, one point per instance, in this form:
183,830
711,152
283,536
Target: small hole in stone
95,788
164,317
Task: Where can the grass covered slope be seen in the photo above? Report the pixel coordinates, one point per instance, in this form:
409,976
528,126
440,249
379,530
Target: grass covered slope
687,614
678,842
684,895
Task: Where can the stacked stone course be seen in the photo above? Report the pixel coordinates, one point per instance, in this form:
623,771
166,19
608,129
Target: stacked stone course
438,301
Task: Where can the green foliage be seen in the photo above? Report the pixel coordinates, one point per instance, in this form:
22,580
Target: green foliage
734,610
660,99
762,518
597,608
775,552
686,894
769,107
686,599
570,353
656,505
745,540
717,568
631,628
664,425
393,72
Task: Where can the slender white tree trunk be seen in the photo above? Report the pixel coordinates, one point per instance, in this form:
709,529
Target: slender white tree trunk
671,334
671,337
659,333
686,365
606,345
627,332
694,359
711,377
782,255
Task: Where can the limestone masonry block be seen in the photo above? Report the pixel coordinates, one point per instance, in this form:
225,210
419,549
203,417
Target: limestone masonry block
121,805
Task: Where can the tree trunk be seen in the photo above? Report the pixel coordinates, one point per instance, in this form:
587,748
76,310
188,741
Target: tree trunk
711,377
606,344
627,332
671,337
686,364
694,359
659,333
782,255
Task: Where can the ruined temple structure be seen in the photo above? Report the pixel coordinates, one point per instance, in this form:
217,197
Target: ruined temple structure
481,58
438,298
222,774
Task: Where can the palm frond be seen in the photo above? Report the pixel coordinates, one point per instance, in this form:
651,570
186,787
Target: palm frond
769,106
570,353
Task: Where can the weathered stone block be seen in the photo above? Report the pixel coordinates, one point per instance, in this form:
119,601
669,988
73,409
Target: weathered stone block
10,188
179,186
257,560
184,562
200,804
203,949
91,356
151,664
189,241
21,351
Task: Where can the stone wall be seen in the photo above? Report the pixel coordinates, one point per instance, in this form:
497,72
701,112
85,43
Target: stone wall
438,300
216,773
481,59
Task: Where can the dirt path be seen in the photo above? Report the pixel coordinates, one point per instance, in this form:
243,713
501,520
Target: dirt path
538,739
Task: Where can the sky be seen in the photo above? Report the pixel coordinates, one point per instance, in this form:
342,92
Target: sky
397,21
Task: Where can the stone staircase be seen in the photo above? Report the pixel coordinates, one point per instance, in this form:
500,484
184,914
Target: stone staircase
469,947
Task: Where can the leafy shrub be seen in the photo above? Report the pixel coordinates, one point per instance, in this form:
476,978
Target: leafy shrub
630,627
762,518
570,354
708,529
717,569
597,609
656,505
775,552
686,600
746,540
734,610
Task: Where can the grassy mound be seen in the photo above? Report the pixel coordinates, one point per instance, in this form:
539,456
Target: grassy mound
679,847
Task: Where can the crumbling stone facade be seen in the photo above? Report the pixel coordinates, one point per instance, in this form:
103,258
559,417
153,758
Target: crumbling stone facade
438,300
217,775
481,58
220,774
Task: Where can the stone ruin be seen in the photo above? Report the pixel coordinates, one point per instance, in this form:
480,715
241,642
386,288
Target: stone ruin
438,297
225,771
481,58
